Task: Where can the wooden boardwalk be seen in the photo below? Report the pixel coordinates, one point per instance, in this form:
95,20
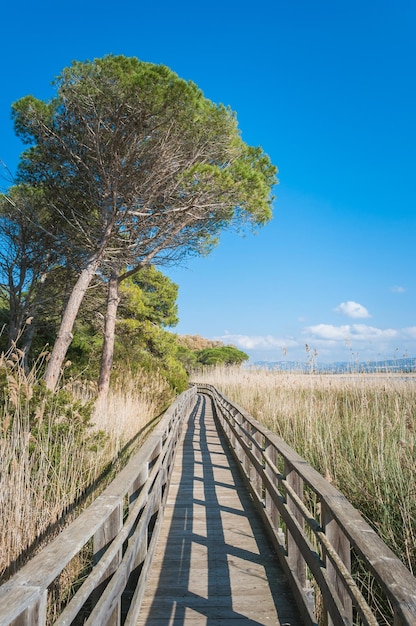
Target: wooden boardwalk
213,564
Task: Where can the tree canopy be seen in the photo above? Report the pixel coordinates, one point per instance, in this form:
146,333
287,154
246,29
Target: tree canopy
136,166
227,355
129,147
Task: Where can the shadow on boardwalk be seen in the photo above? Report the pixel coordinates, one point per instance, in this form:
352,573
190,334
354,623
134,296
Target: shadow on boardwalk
214,564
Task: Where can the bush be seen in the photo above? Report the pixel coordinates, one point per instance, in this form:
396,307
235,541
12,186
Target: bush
223,355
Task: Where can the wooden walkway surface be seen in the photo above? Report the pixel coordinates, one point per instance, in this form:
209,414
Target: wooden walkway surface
213,564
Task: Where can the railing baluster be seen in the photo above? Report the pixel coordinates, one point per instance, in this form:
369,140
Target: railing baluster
256,474
247,441
270,454
35,615
134,493
296,560
342,547
102,539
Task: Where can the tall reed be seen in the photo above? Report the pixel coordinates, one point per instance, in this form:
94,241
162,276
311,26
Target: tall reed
358,430
54,447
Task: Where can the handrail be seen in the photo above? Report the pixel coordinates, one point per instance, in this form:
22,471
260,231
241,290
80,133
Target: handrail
324,533
122,525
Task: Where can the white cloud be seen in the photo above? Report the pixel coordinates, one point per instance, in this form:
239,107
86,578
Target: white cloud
256,342
348,332
352,309
328,331
398,289
332,342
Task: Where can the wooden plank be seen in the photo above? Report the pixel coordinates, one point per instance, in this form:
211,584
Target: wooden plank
213,563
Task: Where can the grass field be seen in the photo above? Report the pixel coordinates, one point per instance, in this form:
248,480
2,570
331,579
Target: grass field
358,430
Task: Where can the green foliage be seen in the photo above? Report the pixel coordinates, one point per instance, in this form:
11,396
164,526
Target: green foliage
85,351
187,357
149,295
141,344
113,114
52,420
227,355
148,302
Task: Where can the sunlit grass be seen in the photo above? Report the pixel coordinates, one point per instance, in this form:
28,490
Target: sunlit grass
358,430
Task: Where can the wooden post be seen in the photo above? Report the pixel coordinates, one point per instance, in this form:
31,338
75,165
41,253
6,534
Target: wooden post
138,483
229,422
342,547
102,539
133,495
295,558
35,615
235,439
256,475
246,461
270,454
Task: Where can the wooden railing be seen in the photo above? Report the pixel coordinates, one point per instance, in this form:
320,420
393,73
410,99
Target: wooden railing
320,538
116,536
336,563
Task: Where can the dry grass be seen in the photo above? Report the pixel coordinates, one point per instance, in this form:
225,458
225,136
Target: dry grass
50,456
358,430
131,406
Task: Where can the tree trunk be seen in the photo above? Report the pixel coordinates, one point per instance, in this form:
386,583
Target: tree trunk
29,335
30,322
113,300
64,338
15,307
110,320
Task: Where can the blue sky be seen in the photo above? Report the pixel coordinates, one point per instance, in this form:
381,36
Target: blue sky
328,89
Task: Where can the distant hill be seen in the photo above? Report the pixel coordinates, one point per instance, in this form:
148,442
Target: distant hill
196,342
405,365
